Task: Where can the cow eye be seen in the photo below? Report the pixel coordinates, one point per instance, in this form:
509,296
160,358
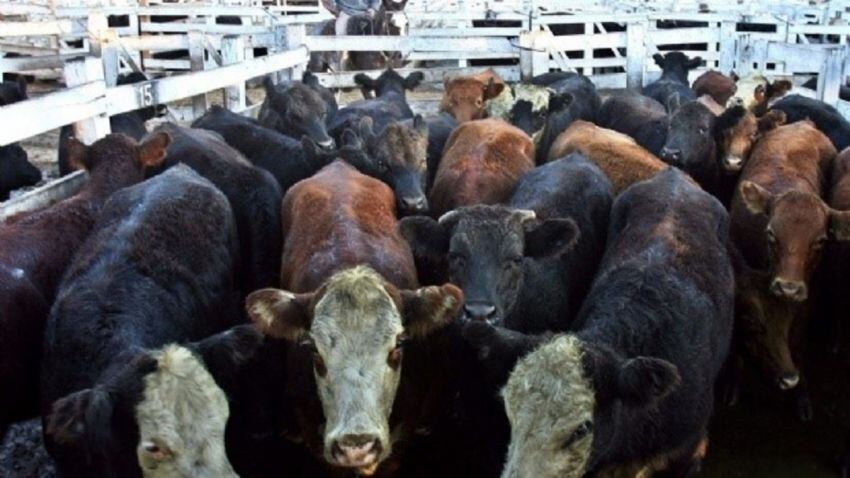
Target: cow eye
401,341
580,432
478,102
771,237
703,130
820,242
319,364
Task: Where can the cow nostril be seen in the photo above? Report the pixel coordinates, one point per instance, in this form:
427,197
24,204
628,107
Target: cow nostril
673,154
327,144
479,310
415,204
789,381
791,289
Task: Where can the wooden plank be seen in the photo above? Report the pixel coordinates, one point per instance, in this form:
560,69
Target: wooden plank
86,71
431,75
233,52
465,32
149,27
406,44
196,62
582,42
131,97
636,54
459,55
45,195
156,42
684,35
24,64
831,78
52,27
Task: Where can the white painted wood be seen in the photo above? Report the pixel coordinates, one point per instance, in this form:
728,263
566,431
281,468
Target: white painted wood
431,75
728,43
295,38
88,71
830,77
407,44
526,43
196,62
581,42
24,64
45,195
52,27
233,52
636,54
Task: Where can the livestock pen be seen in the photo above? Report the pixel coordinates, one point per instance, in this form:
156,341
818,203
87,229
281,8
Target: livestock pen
86,45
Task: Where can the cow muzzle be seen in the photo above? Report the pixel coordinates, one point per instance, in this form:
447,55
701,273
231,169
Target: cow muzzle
413,205
788,381
733,164
359,451
789,289
485,311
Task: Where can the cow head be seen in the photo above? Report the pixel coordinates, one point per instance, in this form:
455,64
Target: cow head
357,324
327,95
15,170
737,130
117,157
464,97
690,143
389,82
530,109
172,398
676,65
798,226
398,157
755,93
563,400
352,151
13,91
296,109
485,248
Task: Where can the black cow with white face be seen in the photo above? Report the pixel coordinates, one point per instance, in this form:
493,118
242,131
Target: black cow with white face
634,382
123,393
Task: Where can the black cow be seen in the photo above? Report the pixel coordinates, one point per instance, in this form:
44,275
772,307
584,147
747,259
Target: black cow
286,158
389,105
638,116
253,194
327,95
573,97
119,394
297,109
650,340
15,170
691,146
673,88
13,91
22,452
440,127
825,117
131,123
525,265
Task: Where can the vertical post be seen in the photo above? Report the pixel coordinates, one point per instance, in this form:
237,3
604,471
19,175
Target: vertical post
196,62
79,72
233,51
588,52
279,46
744,55
830,76
727,46
96,26
109,56
462,25
295,35
526,67
635,54
143,55
540,53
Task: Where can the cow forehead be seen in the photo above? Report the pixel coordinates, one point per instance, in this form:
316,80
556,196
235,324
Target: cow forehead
181,405
799,214
550,386
354,305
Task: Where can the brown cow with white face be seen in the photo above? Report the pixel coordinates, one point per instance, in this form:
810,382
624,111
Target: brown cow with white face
465,97
353,305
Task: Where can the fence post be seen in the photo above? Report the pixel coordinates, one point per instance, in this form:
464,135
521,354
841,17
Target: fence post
830,76
744,55
726,62
635,54
295,35
233,51
196,62
526,67
79,72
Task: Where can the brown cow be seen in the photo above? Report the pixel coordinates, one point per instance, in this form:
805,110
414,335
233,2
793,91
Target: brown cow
481,164
717,85
36,247
780,224
464,97
617,155
350,313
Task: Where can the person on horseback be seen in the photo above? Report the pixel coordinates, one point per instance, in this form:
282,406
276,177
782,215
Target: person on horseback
345,9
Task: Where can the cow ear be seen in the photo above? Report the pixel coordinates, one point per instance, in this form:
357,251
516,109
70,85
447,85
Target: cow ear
644,381
365,129
419,124
78,154
428,239
559,101
551,237
413,80
351,139
279,313
153,149
493,89
734,76
81,419
674,102
224,353
659,59
839,225
365,81
756,198
694,62
427,309
771,120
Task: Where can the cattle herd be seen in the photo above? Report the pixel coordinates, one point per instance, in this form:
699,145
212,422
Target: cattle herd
542,280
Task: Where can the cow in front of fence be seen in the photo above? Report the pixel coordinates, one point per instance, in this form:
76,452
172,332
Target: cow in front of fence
389,104
716,85
360,363
573,97
15,170
13,91
638,116
124,394
673,88
296,109
825,117
35,249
